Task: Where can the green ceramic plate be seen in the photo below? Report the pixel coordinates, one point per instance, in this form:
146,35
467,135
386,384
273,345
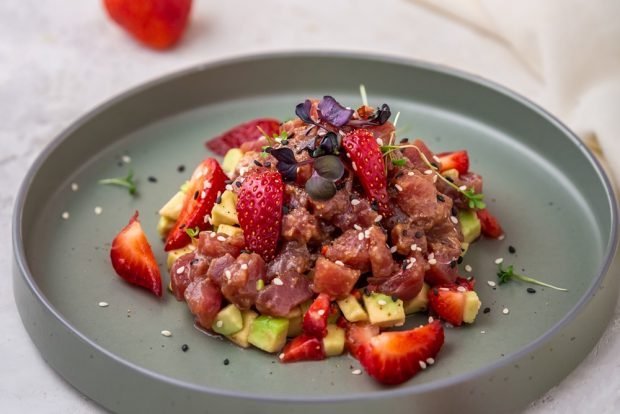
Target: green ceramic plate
550,194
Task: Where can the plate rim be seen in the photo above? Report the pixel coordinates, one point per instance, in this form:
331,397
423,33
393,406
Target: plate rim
20,260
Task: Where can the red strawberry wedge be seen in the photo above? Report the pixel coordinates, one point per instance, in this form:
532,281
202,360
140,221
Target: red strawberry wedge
457,160
259,208
207,181
133,259
248,131
315,320
158,24
303,348
455,302
367,162
394,357
489,225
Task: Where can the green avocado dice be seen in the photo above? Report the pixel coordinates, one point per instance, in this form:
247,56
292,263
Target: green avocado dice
419,303
228,321
268,333
295,321
333,343
241,337
383,310
352,309
470,225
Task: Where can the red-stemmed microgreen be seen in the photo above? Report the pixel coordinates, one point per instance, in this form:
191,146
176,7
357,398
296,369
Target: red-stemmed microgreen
508,274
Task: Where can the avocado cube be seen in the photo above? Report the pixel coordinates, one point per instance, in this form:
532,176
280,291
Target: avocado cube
451,173
383,310
229,230
470,225
164,225
173,207
241,337
419,303
333,343
295,321
228,321
268,333
352,309
226,211
231,159
173,255
472,305
464,248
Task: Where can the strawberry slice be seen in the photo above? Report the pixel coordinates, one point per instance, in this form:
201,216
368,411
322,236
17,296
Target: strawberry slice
303,348
207,181
396,356
133,259
367,161
156,23
489,225
358,335
448,301
248,131
457,160
259,208
315,319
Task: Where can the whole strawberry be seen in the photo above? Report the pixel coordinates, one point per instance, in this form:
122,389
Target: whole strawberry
367,162
259,208
156,23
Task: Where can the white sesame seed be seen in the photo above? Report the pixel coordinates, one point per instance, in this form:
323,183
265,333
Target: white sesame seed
207,219
431,255
242,171
381,302
444,289
468,268
228,274
505,311
103,304
244,266
65,215
398,187
432,261
499,260
436,158
414,247
428,172
434,178
277,281
454,220
339,262
354,166
166,332
212,234
378,218
360,236
461,289
180,270
491,283
281,356
98,210
321,312
355,202
126,159
221,238
393,249
357,227
410,173
463,188
379,141
207,184
356,372
203,195
75,187
430,361
422,364
483,332
430,319
409,266
502,237
219,324
229,187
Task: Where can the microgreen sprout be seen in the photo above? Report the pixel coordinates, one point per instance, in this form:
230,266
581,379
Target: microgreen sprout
193,233
126,182
363,94
506,275
474,200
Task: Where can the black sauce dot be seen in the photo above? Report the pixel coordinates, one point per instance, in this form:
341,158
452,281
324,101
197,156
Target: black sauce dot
184,347
152,179
418,234
440,198
486,310
226,361
511,249
460,260
531,290
181,168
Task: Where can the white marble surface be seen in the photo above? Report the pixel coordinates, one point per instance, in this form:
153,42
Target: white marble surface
60,58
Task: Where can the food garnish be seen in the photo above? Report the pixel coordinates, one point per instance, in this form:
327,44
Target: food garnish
508,274
126,182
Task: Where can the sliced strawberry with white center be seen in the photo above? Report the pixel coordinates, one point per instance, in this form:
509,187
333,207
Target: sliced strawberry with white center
454,303
396,356
315,319
133,259
456,160
259,208
303,348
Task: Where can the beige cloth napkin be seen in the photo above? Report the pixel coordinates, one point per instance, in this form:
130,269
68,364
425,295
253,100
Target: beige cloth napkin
571,46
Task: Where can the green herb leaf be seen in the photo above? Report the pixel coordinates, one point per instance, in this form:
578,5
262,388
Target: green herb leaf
506,275
474,200
400,162
126,182
193,233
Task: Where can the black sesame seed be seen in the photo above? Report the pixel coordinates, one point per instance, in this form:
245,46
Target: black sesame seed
374,205
228,182
238,184
418,234
435,292
284,142
449,179
434,164
226,361
258,163
486,310
218,200
184,347
459,260
511,249
531,290
454,211
193,262
268,164
404,140
405,233
196,195
453,264
285,209
181,168
152,179
440,198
